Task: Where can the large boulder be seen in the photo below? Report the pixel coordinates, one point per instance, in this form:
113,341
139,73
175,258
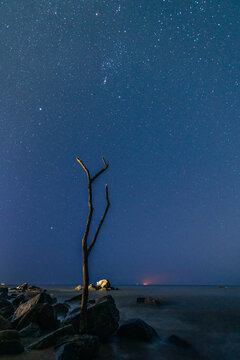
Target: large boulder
30,305
92,287
74,299
79,348
6,308
52,338
102,318
10,343
137,329
4,323
103,284
42,314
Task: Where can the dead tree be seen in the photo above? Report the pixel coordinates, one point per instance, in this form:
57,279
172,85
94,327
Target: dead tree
86,250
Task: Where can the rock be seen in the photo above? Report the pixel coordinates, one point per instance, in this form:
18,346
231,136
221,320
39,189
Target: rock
32,330
77,298
10,342
19,300
92,287
30,305
41,314
3,290
22,287
4,323
174,339
102,318
36,289
104,284
6,308
76,310
52,338
79,287
83,347
137,329
149,301
61,309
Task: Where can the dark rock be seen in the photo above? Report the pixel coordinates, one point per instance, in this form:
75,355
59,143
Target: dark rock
10,343
6,308
149,301
3,290
33,288
83,347
61,309
137,329
32,330
19,300
174,339
4,323
22,287
52,338
41,314
103,317
76,310
30,305
91,301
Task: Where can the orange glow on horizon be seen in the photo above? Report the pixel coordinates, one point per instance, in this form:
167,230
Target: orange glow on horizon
145,283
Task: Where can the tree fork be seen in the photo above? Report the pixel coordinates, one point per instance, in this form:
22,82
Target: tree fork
85,249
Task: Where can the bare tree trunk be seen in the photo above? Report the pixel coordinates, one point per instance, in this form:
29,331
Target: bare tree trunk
85,249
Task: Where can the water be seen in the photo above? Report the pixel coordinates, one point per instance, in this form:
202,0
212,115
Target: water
208,317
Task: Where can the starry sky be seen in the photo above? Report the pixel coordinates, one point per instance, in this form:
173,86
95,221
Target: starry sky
151,85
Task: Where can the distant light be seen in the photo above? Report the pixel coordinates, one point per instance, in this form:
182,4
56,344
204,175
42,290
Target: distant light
40,108
97,13
145,284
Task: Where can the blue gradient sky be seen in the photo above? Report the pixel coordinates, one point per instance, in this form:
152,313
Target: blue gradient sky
153,86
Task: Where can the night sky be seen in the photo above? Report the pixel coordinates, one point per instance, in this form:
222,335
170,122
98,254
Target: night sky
151,85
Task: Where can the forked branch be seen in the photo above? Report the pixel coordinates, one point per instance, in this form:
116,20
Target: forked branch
101,171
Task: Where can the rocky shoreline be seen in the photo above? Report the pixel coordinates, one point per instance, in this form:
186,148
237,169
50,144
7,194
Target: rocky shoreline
32,320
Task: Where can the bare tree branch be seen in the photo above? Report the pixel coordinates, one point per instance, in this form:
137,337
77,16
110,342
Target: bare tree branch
101,171
101,221
84,167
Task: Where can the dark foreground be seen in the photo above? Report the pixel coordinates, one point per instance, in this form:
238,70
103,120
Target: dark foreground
207,319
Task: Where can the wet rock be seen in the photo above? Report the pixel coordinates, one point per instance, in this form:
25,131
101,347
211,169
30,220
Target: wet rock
137,329
29,306
52,338
22,287
79,348
174,339
31,330
61,309
10,342
149,301
41,314
6,308
19,300
4,323
102,318
76,310
79,287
